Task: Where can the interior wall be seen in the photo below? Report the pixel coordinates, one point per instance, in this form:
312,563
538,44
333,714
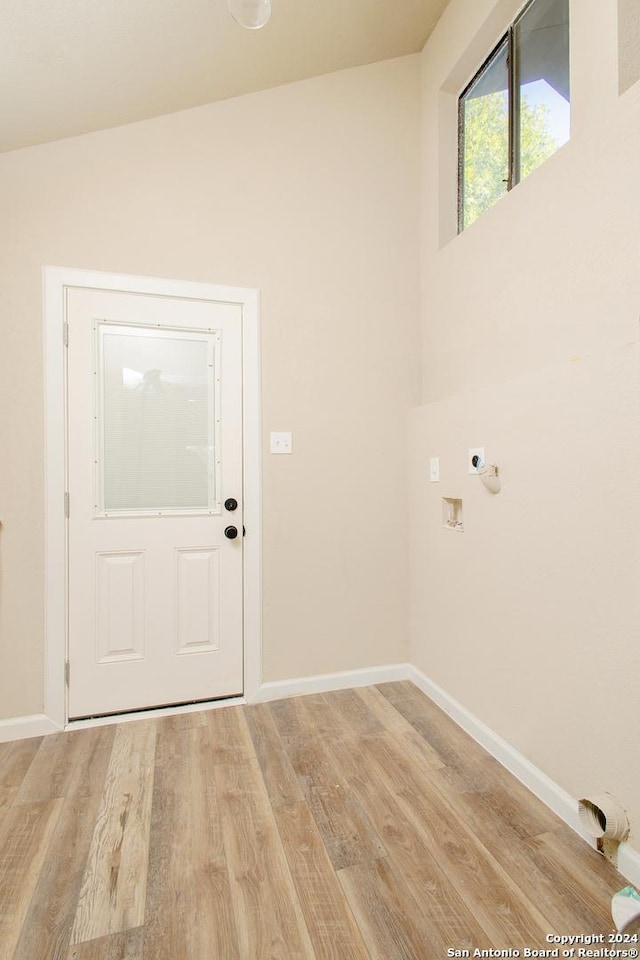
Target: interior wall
310,193
628,43
530,617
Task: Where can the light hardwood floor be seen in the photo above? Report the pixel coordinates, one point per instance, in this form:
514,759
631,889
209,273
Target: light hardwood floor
355,825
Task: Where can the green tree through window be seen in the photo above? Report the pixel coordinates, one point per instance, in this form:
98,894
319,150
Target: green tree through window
514,114
486,134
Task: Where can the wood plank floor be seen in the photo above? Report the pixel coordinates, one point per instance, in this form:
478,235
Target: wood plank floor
354,825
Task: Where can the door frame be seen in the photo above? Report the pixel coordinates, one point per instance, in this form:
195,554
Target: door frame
56,281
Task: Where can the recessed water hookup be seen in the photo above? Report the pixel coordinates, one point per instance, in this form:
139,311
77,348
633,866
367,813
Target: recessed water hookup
604,819
452,514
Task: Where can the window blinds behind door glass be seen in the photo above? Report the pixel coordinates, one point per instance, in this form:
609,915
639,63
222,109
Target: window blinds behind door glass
157,420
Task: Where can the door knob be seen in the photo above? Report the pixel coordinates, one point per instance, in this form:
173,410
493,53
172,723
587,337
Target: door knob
231,504
231,533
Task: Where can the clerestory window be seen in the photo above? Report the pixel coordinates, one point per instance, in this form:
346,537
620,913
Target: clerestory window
515,112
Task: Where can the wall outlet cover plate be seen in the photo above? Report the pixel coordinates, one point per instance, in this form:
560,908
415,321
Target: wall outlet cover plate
280,442
475,452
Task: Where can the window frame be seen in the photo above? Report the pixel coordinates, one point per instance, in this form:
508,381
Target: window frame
513,91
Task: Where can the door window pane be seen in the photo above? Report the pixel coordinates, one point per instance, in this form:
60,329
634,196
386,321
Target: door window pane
541,38
157,420
484,138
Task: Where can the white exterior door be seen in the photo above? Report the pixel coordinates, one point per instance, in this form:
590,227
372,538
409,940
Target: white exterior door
154,467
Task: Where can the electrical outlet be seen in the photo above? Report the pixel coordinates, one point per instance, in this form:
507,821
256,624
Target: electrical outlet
434,469
475,452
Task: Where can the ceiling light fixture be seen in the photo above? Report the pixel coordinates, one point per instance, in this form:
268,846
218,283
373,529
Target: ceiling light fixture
251,14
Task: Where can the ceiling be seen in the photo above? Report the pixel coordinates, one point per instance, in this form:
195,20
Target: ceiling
72,66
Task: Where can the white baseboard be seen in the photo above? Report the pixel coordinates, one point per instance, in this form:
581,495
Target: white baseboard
562,804
19,728
629,864
538,782
323,683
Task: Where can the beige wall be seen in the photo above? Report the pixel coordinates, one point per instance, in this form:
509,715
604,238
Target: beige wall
309,192
628,43
530,618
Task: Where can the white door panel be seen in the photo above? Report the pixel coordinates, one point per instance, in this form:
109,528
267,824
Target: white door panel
154,448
